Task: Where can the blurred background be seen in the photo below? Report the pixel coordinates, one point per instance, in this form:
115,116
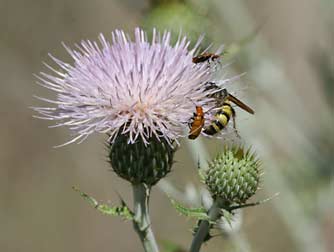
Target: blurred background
285,47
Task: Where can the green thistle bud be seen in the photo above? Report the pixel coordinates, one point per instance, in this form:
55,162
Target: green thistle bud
233,176
140,163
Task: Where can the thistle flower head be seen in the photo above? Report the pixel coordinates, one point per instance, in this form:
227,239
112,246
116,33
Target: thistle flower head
137,88
233,175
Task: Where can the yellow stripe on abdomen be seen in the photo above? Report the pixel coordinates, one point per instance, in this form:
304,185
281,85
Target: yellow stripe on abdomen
223,119
228,110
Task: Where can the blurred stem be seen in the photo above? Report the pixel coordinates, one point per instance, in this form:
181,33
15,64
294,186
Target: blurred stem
203,230
141,221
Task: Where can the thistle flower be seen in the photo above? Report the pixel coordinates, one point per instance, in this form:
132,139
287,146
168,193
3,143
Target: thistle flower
135,88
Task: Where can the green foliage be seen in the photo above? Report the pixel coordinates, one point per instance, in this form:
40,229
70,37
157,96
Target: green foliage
168,246
121,211
199,213
227,215
231,208
175,17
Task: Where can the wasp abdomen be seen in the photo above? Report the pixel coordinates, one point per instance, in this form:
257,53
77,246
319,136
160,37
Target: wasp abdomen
222,117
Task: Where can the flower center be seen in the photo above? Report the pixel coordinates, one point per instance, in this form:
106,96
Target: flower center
140,108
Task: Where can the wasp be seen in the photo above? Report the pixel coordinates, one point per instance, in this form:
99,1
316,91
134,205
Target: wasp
225,110
205,57
197,123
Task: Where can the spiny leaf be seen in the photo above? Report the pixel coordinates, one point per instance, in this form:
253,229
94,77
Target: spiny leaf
198,213
122,211
253,203
227,216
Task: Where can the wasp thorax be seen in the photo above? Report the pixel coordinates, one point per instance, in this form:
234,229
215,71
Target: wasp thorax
233,176
140,162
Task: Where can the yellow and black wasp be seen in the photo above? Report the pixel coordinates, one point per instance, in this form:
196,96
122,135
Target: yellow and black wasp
225,111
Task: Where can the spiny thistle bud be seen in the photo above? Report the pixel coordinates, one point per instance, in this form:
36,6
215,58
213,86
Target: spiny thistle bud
233,175
140,162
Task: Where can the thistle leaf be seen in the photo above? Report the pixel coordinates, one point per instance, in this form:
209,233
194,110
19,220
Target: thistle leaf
199,213
253,203
227,216
122,211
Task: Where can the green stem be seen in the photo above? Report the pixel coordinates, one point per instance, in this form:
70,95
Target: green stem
141,221
203,230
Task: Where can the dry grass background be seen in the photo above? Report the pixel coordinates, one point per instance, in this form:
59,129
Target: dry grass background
38,209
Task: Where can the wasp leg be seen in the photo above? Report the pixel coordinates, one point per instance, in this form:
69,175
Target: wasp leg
234,127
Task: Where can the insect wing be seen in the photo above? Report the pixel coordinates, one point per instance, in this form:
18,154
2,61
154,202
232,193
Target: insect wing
240,104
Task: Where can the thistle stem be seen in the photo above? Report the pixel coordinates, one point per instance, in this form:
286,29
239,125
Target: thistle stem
141,221
203,230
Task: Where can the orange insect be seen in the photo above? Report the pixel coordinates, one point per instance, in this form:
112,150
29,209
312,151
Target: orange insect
197,123
205,57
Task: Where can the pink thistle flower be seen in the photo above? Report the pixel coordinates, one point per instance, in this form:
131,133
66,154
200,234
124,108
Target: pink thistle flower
136,88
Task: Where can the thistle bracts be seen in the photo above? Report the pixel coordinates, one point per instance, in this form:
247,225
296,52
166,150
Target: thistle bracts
233,176
140,162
